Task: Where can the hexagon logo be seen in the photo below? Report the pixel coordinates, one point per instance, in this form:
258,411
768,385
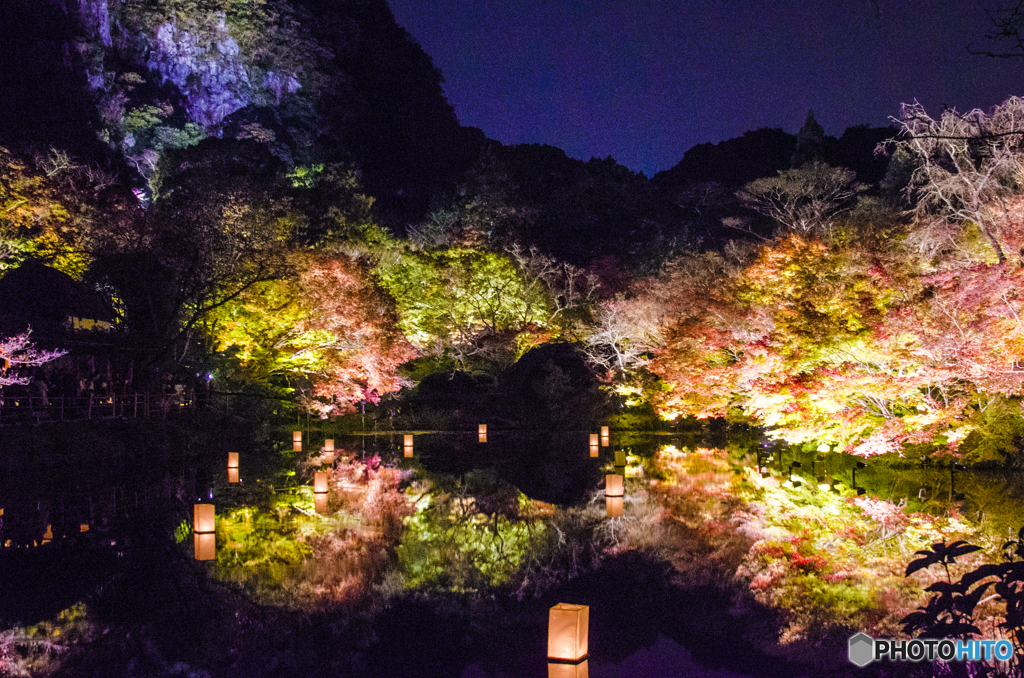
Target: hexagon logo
862,649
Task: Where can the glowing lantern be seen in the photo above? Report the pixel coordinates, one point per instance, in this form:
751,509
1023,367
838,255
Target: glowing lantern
297,441
560,670
614,506
205,545
594,450
232,459
320,482
605,440
613,485
407,446
568,626
203,519
320,502
481,431
329,445
48,536
604,431
232,475
84,527
593,439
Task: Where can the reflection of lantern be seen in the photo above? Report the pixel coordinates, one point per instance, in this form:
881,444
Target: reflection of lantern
203,518
205,545
620,457
567,632
232,475
407,444
297,441
560,670
481,431
320,482
613,485
320,502
614,506
594,450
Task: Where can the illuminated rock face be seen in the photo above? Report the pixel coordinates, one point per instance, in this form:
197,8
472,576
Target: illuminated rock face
207,69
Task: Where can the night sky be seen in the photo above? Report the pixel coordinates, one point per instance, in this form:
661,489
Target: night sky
645,80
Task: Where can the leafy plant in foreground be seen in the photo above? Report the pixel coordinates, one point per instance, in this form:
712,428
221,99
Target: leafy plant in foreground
952,612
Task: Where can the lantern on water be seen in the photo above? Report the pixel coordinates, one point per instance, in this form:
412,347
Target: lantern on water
320,502
568,626
232,459
232,475
594,450
329,445
407,444
297,441
203,518
605,440
562,670
614,506
481,432
320,482
593,439
205,545
604,431
613,485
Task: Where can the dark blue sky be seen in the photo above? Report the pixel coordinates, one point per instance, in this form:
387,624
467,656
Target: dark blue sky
644,80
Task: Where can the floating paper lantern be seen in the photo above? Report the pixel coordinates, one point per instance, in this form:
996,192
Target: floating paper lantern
620,457
203,518
407,444
604,431
593,439
614,506
568,626
297,441
481,431
329,445
320,502
320,482
232,475
594,450
232,459
613,485
205,545
562,670
84,527
605,440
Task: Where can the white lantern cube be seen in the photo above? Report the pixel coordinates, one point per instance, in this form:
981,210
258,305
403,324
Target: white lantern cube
568,626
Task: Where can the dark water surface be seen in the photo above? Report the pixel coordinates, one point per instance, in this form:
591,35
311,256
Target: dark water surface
109,542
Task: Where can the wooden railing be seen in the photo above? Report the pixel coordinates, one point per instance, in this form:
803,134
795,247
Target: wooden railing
40,409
